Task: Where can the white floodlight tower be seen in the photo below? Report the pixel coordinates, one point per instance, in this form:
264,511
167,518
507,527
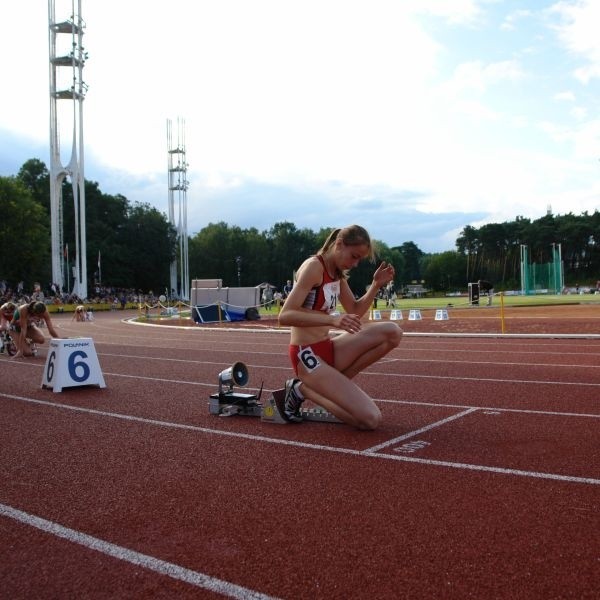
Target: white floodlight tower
67,58
178,183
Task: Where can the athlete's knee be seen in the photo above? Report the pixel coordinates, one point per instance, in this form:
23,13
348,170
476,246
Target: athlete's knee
369,420
392,334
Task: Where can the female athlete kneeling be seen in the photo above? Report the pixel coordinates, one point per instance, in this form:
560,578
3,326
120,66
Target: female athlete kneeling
325,365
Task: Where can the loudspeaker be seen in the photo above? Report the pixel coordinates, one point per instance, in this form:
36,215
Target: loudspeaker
236,374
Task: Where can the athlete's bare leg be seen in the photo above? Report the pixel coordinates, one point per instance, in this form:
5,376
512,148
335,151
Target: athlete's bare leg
355,352
339,395
332,387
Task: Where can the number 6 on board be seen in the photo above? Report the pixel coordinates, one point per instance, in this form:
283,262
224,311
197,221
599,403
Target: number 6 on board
71,363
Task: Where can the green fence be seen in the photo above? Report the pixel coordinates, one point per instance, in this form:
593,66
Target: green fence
542,278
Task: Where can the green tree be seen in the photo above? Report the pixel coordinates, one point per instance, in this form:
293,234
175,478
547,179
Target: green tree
468,244
256,259
149,244
106,218
25,236
35,177
211,255
411,270
289,247
576,233
445,271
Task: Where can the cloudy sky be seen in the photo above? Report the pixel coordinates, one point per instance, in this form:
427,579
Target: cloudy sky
413,118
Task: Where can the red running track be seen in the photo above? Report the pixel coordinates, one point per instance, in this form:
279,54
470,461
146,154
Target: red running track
483,482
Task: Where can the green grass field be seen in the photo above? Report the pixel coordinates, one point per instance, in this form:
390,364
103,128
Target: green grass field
463,301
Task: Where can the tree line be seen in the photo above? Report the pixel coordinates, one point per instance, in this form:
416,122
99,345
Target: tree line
137,245
135,241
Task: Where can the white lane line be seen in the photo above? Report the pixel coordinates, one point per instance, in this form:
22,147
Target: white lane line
415,334
418,431
504,336
528,411
495,351
151,563
237,351
489,362
479,379
364,373
306,445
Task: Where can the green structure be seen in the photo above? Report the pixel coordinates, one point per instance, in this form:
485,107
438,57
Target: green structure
546,278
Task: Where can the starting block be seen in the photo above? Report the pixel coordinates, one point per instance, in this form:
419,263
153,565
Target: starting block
414,314
70,363
229,404
271,414
375,315
396,315
441,314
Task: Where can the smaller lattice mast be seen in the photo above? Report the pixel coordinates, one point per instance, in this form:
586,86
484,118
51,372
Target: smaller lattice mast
177,187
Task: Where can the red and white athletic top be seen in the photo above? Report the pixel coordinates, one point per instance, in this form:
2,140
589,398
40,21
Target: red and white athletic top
324,297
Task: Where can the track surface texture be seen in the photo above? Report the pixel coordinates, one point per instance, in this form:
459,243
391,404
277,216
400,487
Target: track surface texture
482,482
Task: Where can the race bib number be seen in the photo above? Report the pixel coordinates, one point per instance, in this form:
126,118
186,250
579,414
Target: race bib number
308,358
331,293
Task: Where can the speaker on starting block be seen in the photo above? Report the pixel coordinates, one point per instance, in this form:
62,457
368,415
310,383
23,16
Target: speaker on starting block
237,374
70,363
227,402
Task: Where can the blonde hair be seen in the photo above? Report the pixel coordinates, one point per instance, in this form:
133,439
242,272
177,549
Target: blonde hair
36,308
352,235
8,307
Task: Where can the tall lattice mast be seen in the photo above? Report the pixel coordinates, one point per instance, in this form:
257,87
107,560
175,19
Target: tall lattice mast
178,186
67,58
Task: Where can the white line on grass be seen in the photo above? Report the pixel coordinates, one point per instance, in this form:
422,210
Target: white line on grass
151,563
336,449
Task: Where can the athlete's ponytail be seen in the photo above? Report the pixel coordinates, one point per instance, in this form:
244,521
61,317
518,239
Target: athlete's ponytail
353,235
329,241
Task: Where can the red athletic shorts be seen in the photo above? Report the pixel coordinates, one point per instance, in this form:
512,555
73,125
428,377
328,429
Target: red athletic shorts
323,349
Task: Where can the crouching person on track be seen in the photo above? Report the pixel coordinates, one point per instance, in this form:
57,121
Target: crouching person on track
25,320
325,365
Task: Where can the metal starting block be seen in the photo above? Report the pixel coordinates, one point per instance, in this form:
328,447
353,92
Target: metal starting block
228,404
271,414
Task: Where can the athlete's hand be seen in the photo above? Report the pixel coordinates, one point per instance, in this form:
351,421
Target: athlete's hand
384,274
348,322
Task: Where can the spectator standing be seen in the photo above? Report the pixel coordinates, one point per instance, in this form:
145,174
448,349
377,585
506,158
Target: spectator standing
287,288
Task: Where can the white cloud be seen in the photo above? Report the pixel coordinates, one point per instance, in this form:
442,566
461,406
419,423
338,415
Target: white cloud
578,31
579,113
479,76
463,12
587,73
390,111
565,96
511,20
319,91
